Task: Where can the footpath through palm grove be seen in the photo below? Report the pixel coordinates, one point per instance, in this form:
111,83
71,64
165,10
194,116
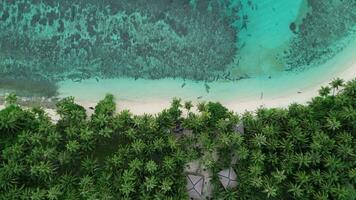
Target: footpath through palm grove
301,152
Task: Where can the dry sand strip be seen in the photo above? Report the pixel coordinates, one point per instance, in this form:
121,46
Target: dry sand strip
283,99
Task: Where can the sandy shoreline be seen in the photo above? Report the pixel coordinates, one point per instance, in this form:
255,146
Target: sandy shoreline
300,95
242,103
282,99
282,94
286,98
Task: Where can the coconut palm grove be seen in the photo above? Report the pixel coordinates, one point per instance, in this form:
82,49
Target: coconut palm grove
298,152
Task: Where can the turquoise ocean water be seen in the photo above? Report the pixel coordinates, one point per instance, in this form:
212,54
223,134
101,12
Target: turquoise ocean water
220,50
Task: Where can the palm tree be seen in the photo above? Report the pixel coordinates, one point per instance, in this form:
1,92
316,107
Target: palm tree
54,193
336,83
90,165
332,123
106,106
279,176
127,188
302,177
151,166
100,120
150,183
158,144
349,113
172,142
135,164
230,194
188,105
321,195
166,185
296,190
324,91
201,106
73,146
87,188
38,193
128,184
138,146
168,163
42,171
270,190
11,99
259,140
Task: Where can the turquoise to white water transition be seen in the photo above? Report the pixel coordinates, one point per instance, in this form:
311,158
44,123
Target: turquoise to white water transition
219,50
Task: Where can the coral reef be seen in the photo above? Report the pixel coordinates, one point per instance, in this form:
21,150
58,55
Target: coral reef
46,41
318,36
58,40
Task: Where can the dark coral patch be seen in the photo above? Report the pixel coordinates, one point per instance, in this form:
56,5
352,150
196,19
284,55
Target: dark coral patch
24,7
5,15
25,28
35,19
61,26
166,50
293,27
43,21
52,16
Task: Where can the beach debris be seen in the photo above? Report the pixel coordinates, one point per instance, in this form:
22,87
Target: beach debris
244,22
182,86
243,45
207,87
199,97
96,78
91,107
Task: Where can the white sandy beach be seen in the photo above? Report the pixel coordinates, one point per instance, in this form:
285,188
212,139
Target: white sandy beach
240,105
245,96
282,99
284,88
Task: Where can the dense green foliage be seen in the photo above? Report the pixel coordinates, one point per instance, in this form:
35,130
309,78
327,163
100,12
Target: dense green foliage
108,156
300,152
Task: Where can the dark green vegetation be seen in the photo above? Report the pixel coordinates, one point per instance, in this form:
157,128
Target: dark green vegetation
302,152
107,157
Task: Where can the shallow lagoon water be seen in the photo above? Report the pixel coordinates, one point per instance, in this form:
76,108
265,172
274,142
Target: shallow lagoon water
264,38
274,85
267,34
